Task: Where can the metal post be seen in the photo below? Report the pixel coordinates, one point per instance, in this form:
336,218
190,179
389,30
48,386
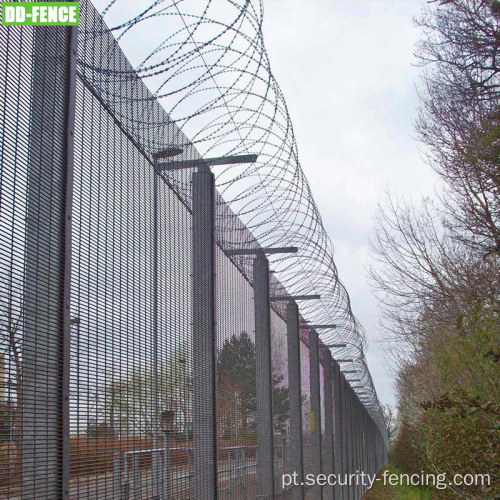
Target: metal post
357,455
204,342
367,441
155,464
364,467
265,445
352,442
345,436
42,422
360,446
357,467
316,452
68,237
295,398
354,434
366,445
349,421
338,428
328,468
371,448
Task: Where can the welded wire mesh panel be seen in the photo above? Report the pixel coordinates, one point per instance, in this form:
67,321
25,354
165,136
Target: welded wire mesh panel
131,408
112,332
206,62
236,361
307,423
327,414
322,397
175,355
15,103
322,409
281,403
33,171
326,440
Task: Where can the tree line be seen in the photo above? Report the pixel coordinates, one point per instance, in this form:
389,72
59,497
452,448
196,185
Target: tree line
437,272
129,405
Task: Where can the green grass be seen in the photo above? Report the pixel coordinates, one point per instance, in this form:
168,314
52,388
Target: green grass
409,492
381,492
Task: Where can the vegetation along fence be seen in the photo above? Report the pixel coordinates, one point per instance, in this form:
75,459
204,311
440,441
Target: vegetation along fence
151,340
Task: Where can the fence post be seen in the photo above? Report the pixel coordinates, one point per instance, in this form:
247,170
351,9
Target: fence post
350,434
328,467
361,467
295,398
369,444
204,345
316,457
43,427
352,441
265,445
354,427
357,428
338,428
155,459
283,449
344,435
364,445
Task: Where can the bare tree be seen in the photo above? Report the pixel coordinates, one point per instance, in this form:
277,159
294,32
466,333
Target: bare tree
425,277
390,417
432,288
459,116
437,272
11,343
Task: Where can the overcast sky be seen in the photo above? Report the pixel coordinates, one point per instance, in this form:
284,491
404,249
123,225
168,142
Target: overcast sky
347,70
348,74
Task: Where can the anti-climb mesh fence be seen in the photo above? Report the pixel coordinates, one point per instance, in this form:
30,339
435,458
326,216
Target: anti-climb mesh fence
167,372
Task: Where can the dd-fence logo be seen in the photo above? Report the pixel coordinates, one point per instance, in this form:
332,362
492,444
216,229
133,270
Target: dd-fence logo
40,13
